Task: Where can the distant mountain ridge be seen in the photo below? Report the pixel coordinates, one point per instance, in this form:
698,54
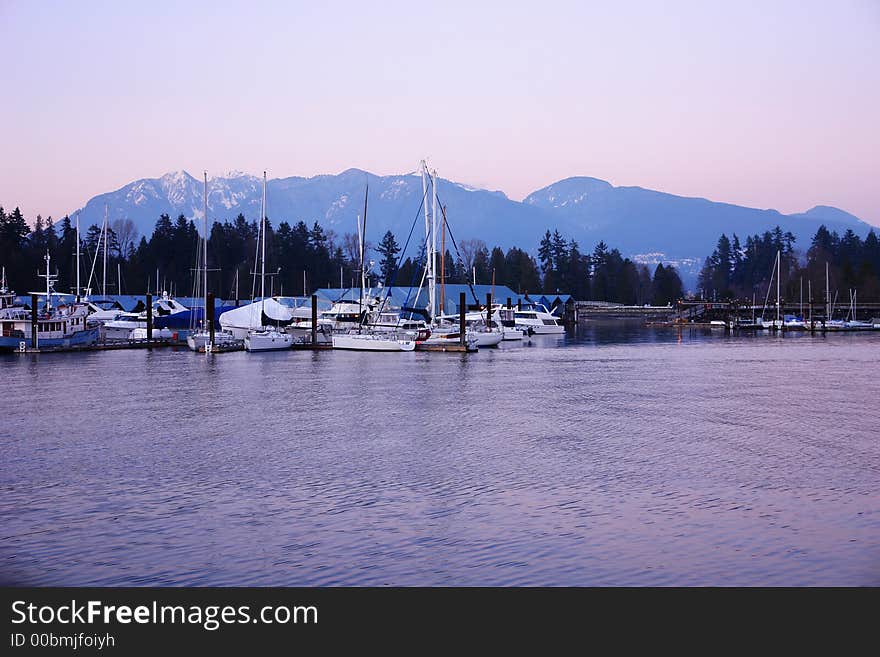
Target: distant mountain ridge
632,219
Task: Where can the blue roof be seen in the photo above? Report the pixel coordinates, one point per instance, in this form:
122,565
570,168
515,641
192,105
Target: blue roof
406,297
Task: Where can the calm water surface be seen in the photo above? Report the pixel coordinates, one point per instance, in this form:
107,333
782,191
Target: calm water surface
611,456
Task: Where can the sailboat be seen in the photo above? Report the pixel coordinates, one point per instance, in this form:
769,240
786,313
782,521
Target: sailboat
266,338
366,340
200,340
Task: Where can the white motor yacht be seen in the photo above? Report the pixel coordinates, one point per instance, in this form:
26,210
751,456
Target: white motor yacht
538,320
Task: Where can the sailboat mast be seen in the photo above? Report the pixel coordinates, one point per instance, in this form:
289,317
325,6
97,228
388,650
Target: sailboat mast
827,294
810,300
442,259
106,218
363,235
77,259
263,254
778,276
428,260
205,253
433,288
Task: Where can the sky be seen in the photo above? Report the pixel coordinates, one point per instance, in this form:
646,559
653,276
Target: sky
768,104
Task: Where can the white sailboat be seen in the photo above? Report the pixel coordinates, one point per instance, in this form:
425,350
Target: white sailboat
200,339
267,338
363,339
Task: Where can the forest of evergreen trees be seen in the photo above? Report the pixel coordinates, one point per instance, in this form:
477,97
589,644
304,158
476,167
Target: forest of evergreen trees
301,258
739,271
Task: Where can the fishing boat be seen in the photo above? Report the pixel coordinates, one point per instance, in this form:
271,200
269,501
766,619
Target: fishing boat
200,338
266,338
57,327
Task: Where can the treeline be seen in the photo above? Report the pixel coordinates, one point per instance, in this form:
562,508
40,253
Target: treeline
604,274
737,270
302,258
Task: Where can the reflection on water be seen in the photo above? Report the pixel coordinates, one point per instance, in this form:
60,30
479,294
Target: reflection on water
619,455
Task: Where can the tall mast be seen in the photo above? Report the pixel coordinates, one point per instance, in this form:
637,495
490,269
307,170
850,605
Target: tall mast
433,242
263,255
443,259
827,295
429,261
106,218
77,259
362,234
205,255
118,278
778,276
810,300
48,282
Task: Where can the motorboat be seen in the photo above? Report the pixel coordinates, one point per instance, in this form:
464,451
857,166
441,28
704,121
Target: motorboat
537,320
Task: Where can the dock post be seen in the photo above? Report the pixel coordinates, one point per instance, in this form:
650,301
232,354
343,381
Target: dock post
488,310
462,309
209,317
34,322
314,320
519,304
508,303
149,317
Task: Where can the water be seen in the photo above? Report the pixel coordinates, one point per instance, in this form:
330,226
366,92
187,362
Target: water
620,455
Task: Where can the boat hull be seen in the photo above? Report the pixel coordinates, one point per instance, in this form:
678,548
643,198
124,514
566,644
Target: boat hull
364,342
197,341
267,341
83,338
488,338
541,329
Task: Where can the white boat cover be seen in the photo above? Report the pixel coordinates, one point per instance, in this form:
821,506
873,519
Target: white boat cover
251,315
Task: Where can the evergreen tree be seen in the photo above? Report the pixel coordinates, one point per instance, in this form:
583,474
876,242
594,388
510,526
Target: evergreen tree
388,250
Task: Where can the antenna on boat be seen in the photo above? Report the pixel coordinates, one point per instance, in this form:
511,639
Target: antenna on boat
50,280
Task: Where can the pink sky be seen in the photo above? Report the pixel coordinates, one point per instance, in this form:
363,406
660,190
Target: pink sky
766,104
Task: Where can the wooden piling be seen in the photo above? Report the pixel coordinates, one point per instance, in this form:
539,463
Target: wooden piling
314,319
462,310
149,316
488,310
508,303
34,321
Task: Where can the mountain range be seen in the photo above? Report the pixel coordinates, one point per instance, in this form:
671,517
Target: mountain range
647,225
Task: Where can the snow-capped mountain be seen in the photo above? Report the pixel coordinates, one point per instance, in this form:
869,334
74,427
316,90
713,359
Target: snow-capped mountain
632,219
